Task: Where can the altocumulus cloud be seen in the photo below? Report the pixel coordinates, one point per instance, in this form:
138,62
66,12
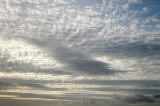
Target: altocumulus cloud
79,52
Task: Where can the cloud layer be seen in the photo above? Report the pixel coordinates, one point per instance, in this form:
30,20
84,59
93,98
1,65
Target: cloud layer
93,52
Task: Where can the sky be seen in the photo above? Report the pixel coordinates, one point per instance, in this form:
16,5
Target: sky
79,52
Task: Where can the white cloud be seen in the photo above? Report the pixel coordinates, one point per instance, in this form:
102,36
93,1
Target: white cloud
145,10
133,1
158,26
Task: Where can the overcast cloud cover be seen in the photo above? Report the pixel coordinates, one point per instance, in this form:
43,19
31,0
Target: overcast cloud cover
79,52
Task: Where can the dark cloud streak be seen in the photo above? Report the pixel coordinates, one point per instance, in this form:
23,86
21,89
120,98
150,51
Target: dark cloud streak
72,58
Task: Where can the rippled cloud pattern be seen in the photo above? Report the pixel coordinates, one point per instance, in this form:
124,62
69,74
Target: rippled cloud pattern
80,52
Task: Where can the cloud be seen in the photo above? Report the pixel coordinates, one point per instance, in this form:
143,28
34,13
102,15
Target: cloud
40,86
23,67
72,58
138,83
145,9
157,96
133,1
89,102
135,49
5,85
124,32
139,98
135,99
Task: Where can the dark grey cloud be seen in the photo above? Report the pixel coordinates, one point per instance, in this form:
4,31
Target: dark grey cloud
40,86
89,102
6,85
75,60
13,102
32,95
136,49
140,83
33,85
126,90
139,98
157,96
46,96
123,48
